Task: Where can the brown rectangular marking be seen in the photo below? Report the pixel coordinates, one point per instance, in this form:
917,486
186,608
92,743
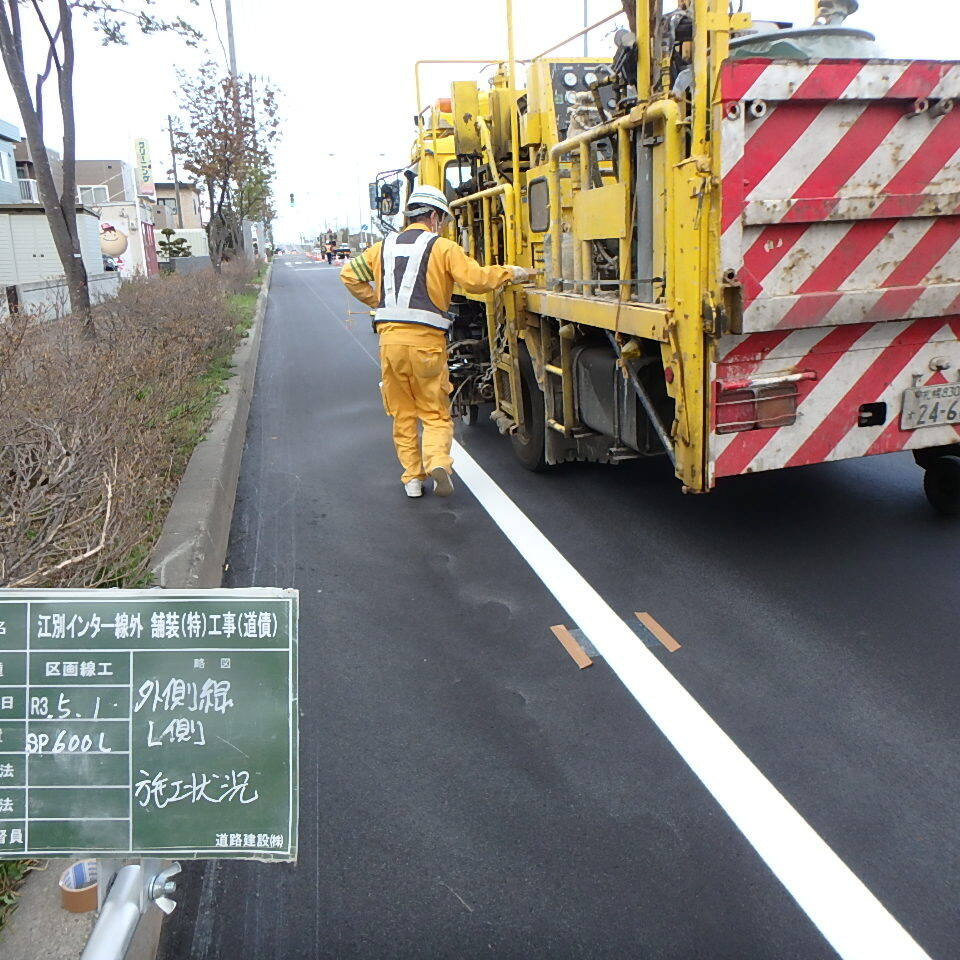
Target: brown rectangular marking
571,646
658,631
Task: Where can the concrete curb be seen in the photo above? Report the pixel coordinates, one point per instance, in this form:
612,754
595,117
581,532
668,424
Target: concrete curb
193,544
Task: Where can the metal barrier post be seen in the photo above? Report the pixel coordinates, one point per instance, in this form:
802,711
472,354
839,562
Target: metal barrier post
135,887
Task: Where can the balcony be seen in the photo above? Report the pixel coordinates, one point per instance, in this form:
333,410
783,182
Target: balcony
29,192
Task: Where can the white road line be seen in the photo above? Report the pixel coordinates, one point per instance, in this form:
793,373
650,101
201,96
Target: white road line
848,915
851,918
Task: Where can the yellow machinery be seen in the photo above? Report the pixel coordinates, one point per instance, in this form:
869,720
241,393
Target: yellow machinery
572,218
619,181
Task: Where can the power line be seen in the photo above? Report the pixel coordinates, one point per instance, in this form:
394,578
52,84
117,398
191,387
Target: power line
216,28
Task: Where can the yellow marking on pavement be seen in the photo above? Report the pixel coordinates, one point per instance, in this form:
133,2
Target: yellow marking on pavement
580,658
658,631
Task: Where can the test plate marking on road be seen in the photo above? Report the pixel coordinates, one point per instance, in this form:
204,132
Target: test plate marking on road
149,722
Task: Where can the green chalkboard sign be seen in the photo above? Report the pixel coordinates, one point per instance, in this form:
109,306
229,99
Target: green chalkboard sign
148,722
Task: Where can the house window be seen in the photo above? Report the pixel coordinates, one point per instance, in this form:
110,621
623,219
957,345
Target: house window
92,195
6,167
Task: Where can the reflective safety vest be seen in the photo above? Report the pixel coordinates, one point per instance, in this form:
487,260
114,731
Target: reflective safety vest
403,295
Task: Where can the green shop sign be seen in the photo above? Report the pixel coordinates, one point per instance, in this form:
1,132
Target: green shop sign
148,723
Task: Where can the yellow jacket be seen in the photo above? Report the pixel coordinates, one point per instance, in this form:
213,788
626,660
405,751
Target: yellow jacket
448,265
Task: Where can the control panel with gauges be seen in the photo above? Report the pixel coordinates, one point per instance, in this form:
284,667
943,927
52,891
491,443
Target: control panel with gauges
554,86
578,77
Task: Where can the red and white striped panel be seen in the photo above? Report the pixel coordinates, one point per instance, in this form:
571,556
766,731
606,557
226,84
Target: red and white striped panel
850,365
762,79
839,206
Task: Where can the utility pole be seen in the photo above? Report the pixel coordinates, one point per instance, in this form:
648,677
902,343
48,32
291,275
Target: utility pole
230,43
176,175
586,23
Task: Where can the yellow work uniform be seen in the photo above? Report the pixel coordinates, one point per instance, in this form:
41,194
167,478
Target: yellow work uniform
413,353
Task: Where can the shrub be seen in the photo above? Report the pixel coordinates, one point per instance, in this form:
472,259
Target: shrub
95,429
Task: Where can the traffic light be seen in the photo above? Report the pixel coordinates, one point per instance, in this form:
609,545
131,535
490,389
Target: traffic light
291,200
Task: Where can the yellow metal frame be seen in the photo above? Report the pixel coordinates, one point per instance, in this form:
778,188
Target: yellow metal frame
687,164
690,236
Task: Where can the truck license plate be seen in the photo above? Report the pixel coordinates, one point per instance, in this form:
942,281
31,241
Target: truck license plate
931,406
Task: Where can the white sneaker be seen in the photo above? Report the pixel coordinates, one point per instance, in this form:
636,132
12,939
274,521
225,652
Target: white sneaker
442,484
413,488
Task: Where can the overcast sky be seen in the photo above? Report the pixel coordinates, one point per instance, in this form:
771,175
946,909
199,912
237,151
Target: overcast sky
346,75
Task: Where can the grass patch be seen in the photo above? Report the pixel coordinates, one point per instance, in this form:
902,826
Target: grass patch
12,873
193,417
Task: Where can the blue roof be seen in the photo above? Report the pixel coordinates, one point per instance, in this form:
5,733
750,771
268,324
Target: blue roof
9,131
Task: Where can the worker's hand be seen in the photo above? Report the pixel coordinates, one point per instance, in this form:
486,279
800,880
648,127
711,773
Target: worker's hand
522,274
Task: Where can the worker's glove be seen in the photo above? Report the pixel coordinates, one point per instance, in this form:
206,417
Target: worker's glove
522,274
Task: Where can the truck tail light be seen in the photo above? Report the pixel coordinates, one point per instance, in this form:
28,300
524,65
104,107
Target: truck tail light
755,406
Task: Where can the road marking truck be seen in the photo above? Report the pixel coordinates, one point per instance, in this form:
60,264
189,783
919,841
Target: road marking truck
747,238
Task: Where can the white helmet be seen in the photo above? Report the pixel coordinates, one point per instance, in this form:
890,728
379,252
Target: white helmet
423,199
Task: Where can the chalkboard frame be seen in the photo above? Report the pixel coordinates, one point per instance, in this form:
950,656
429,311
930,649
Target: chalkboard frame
280,604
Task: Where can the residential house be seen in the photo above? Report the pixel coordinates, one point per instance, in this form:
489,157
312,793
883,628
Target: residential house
193,230
190,200
134,220
27,174
9,187
255,239
110,188
105,181
31,274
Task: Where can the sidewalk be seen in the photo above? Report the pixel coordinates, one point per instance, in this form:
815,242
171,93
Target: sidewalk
40,929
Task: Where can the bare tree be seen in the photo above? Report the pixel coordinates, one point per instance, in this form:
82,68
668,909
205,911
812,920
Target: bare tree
55,21
226,136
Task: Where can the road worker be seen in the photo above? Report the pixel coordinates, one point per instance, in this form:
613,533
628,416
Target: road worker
420,269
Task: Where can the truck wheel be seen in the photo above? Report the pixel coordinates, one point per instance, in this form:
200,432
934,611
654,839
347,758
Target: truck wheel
529,441
941,483
927,455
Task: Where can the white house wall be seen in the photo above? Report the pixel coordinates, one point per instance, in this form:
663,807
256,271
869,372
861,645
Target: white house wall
29,255
88,227
196,239
48,299
33,248
8,263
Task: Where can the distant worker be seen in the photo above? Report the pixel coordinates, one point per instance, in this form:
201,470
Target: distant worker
331,250
410,316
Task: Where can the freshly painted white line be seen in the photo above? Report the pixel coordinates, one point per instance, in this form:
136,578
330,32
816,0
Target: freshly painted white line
851,918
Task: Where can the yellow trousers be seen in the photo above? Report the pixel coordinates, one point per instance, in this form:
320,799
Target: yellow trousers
416,390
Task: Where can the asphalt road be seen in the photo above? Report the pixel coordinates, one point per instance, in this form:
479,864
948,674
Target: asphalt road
466,791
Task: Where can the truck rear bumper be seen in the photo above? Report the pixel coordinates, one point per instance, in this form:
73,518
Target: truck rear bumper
834,393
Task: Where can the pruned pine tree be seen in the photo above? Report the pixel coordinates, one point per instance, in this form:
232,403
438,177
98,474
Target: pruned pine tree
171,246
